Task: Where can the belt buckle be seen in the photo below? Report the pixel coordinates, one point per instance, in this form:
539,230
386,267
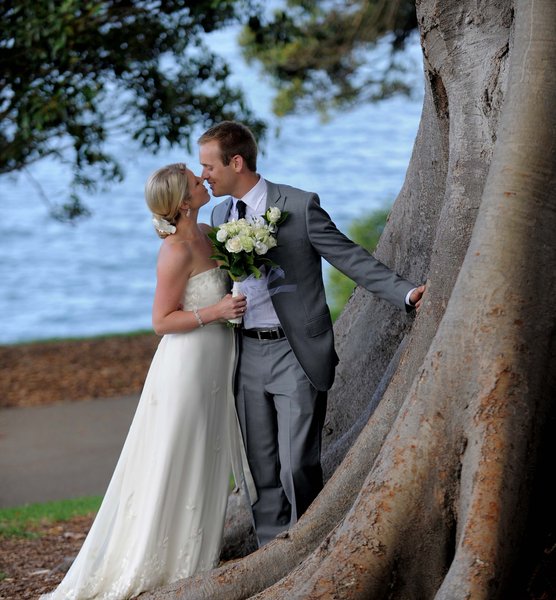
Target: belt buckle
265,334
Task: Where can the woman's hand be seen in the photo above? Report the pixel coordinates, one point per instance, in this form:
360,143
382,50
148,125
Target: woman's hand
231,308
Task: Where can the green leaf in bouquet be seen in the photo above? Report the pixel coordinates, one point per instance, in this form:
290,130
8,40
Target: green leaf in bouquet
236,271
255,271
221,257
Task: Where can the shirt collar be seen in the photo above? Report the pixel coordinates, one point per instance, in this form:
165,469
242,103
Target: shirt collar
255,195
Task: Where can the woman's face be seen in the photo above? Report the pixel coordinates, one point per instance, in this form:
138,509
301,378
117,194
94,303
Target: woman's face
198,193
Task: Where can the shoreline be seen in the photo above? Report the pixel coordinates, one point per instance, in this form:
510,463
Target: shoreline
41,372
79,338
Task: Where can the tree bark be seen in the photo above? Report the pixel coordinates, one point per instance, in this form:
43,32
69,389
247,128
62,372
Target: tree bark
441,495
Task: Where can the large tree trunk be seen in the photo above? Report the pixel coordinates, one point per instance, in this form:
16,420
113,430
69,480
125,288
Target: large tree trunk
441,494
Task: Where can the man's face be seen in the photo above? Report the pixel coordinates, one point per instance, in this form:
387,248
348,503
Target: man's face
222,179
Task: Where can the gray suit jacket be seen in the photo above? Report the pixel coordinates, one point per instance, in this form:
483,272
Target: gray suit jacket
307,235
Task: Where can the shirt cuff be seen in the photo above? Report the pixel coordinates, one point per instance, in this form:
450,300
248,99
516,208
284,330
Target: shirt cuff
407,301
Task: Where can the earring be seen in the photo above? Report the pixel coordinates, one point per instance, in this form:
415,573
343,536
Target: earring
188,212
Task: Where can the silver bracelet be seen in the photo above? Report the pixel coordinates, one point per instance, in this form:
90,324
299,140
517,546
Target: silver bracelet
198,317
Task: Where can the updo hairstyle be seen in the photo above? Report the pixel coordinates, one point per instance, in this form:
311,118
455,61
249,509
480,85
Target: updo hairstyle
165,191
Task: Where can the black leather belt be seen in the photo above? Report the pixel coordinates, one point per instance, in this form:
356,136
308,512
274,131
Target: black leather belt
277,333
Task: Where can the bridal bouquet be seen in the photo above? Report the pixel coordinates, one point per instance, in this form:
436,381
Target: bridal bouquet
241,245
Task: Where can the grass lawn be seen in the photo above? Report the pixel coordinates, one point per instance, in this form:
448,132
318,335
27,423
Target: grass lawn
22,521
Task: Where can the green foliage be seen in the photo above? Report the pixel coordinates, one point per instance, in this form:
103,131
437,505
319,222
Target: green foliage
365,232
62,64
23,520
314,52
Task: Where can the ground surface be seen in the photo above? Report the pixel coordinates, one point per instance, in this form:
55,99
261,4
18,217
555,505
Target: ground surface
62,371
32,566
67,371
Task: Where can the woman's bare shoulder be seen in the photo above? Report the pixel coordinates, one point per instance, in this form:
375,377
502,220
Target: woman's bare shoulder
205,227
174,252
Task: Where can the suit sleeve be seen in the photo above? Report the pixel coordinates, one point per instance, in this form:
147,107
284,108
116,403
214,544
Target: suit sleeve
351,259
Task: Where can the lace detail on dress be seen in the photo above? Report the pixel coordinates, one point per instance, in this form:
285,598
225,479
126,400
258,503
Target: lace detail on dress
206,288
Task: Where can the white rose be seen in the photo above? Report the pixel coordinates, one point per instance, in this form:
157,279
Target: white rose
232,228
260,233
271,242
273,214
221,235
267,239
243,227
246,243
261,248
234,244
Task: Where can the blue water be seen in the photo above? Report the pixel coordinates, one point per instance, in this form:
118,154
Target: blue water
98,276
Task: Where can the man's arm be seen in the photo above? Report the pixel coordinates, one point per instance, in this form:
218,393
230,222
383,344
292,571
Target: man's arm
356,262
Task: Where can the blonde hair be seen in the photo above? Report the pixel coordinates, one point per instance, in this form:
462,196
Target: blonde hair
165,191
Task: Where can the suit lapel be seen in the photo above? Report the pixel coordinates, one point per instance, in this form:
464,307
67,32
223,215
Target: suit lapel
222,211
274,196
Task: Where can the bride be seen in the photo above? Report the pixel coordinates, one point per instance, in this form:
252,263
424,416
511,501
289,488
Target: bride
162,517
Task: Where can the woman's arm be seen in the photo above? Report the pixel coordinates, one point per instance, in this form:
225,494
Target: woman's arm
173,271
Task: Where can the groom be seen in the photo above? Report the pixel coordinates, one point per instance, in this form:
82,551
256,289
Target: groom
287,358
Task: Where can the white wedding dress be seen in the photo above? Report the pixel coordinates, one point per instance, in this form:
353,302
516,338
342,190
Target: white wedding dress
162,517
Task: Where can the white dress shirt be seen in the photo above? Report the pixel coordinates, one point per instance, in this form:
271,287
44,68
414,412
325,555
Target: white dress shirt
262,315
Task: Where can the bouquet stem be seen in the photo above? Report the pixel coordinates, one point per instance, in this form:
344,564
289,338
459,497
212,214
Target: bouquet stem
236,292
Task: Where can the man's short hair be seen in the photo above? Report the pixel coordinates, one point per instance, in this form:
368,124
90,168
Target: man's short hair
234,139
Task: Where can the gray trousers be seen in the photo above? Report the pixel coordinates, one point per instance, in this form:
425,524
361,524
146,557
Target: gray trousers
281,416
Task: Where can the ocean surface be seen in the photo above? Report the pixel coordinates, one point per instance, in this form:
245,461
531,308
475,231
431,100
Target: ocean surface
98,276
